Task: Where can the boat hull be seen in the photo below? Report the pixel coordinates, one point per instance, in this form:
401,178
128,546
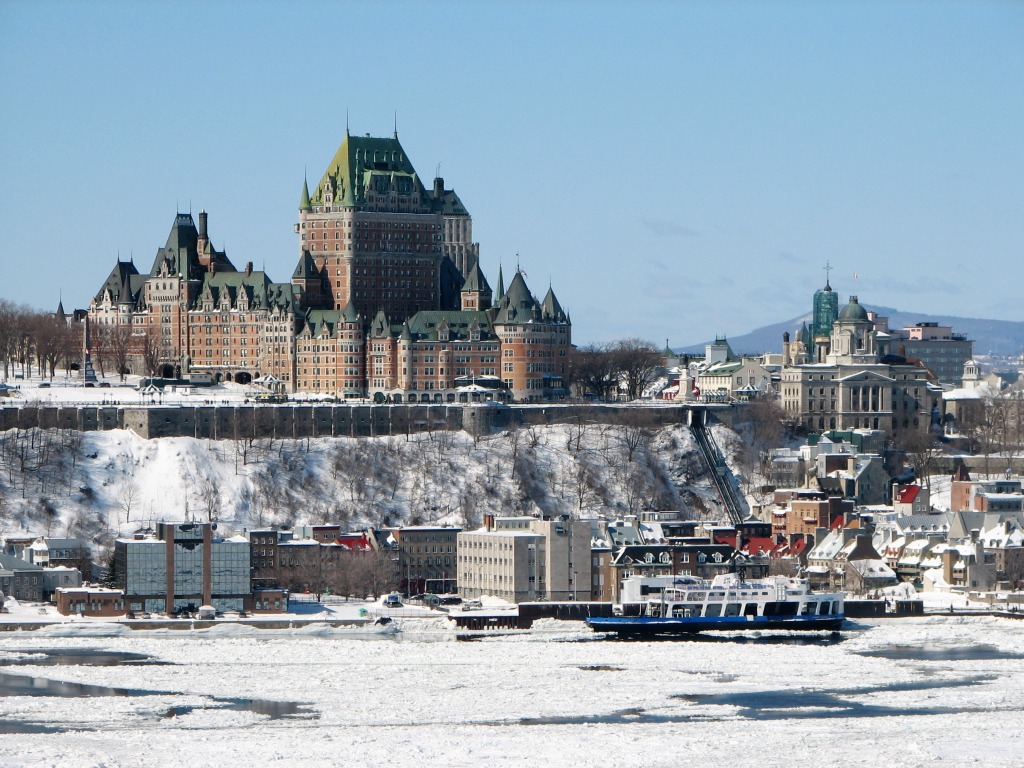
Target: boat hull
645,626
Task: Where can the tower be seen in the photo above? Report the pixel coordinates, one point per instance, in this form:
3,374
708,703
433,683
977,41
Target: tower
379,238
825,311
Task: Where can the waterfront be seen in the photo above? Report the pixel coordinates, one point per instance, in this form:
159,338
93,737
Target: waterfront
910,692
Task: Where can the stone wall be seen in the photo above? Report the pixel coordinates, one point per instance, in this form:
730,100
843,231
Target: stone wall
234,422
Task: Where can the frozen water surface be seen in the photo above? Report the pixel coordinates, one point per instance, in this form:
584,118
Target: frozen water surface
911,692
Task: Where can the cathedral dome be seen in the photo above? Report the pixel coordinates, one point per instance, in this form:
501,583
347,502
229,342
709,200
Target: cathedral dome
853,312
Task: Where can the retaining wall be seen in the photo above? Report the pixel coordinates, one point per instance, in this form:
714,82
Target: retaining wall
298,420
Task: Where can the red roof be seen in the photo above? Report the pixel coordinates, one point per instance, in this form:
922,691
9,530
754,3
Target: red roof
909,493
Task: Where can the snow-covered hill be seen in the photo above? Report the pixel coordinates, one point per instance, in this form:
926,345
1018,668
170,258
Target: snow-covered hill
102,484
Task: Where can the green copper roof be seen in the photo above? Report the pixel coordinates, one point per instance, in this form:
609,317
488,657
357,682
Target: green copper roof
304,204
363,161
550,307
501,286
518,305
349,314
306,269
476,281
181,254
853,312
459,324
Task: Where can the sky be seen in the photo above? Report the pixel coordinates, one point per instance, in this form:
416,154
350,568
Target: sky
675,171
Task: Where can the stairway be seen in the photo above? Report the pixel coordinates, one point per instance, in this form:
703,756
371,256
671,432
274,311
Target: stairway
723,479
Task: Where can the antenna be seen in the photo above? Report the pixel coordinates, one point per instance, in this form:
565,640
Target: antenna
346,121
396,123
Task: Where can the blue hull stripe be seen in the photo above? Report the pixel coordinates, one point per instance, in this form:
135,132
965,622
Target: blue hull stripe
646,625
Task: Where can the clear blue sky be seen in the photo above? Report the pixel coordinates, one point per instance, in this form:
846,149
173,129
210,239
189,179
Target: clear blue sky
676,170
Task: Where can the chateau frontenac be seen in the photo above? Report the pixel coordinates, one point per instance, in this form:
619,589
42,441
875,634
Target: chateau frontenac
387,301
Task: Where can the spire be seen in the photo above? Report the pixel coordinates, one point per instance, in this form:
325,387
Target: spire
304,204
501,286
551,309
476,280
349,314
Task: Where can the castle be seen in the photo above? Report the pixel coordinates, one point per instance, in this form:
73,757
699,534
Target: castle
387,300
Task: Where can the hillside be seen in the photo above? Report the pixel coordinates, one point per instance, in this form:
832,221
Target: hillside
995,337
98,485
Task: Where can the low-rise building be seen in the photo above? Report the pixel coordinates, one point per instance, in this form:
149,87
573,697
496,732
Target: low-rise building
21,579
90,601
49,552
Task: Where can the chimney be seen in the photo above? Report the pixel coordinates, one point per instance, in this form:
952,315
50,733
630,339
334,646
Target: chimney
248,268
948,557
489,522
202,225
438,187
785,348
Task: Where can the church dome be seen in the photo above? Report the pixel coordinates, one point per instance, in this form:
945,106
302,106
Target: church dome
853,312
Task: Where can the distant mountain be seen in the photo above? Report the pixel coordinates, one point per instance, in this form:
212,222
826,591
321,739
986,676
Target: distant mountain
997,337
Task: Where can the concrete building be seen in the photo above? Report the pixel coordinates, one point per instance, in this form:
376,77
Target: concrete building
525,559
943,352
427,558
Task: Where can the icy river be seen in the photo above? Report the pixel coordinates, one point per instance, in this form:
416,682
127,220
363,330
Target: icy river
911,692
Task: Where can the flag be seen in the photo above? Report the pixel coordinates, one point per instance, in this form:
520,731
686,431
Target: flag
855,275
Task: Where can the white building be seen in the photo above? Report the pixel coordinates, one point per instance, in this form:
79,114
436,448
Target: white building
522,559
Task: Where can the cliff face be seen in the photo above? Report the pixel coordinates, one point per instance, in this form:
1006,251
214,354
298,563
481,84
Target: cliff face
102,484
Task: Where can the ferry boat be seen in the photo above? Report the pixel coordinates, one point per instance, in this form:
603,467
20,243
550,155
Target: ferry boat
729,603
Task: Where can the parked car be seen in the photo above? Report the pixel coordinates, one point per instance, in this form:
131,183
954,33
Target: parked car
104,385
44,385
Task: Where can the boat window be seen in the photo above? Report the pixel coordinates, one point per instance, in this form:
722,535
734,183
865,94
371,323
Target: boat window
750,609
807,609
713,609
732,609
826,608
700,596
780,609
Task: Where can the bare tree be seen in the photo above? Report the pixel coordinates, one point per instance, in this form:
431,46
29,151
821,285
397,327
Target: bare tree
9,327
594,371
637,362
151,353
920,446
128,497
208,497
